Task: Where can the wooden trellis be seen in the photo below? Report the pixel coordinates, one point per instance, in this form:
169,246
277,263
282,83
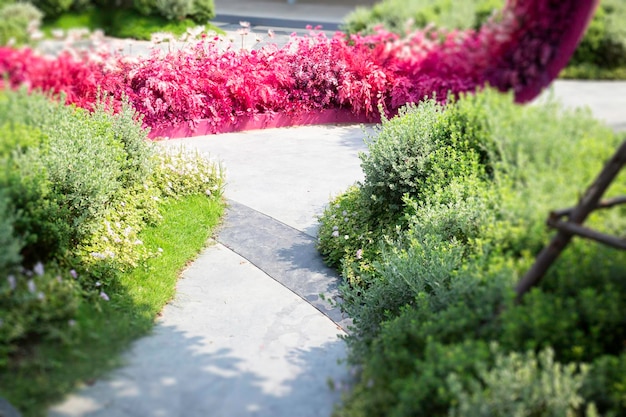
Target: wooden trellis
573,224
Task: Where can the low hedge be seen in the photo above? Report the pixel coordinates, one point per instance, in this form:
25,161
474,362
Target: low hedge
431,243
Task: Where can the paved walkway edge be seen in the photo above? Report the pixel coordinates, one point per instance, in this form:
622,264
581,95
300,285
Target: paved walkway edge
287,255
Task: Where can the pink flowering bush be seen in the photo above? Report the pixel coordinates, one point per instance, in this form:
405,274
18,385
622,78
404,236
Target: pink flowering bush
520,49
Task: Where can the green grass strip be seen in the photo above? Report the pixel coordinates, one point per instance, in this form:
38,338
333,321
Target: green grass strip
105,329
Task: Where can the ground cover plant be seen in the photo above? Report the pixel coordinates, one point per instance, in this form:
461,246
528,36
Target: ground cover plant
365,75
432,242
96,222
601,54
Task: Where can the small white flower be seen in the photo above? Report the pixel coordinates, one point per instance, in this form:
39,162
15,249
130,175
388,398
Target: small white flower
359,254
38,269
58,33
160,250
37,35
41,296
31,286
98,283
104,296
335,233
335,227
12,282
71,322
73,273
346,237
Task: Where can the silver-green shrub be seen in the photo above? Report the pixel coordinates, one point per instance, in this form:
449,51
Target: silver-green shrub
16,21
174,9
521,385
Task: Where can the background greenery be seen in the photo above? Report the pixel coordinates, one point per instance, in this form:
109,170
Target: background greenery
136,19
449,216
97,222
601,54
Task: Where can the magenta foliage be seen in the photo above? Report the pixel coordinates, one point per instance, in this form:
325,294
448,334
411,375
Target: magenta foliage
521,48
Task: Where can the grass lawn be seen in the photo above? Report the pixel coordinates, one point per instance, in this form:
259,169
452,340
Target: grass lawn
122,23
105,329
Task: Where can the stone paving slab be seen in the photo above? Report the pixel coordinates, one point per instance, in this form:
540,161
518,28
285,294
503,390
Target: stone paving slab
287,255
288,174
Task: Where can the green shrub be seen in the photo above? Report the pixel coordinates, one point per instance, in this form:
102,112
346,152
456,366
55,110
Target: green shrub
521,385
578,311
604,43
202,11
53,8
423,150
401,15
181,172
35,304
606,384
478,180
145,7
88,161
174,9
10,244
347,236
16,21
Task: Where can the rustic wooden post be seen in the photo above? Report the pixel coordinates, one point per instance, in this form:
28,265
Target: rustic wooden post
589,202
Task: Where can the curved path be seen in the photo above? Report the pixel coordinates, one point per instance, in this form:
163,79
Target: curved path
247,333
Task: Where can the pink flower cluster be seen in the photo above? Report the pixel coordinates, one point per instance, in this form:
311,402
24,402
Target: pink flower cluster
521,48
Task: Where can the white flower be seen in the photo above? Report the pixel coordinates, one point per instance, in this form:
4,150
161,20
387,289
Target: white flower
38,269
335,233
12,282
104,296
31,286
57,33
195,32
